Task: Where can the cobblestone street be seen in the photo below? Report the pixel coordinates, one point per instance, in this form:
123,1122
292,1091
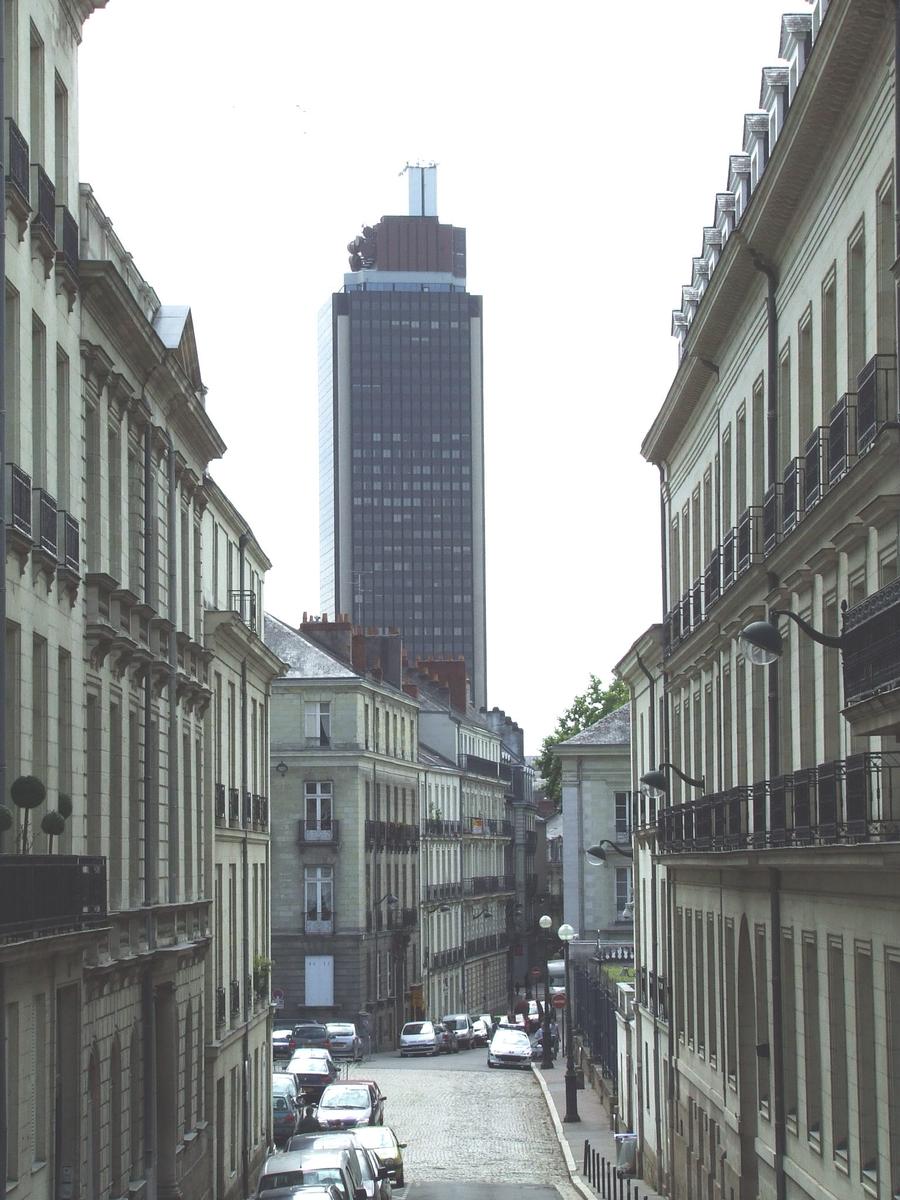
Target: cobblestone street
469,1124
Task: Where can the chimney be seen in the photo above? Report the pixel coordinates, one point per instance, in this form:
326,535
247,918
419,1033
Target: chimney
335,636
453,675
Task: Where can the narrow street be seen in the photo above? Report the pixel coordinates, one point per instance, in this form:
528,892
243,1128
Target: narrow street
467,1125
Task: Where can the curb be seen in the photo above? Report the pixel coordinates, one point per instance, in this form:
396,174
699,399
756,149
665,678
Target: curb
571,1166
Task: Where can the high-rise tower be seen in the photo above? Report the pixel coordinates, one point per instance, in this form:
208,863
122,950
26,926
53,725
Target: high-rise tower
401,454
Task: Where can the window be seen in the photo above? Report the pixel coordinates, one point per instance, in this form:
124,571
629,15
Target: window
829,343
892,987
837,1022
886,299
318,721
865,1065
789,1027
61,140
41,1079
763,1047
689,973
758,434
623,818
711,992
730,1005
812,1049
726,479
624,894
804,379
783,448
63,453
318,884
11,374
740,463
36,97
700,959
318,799
38,403
856,307
10,66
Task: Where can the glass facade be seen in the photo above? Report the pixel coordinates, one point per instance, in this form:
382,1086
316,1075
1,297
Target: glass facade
326,461
411,416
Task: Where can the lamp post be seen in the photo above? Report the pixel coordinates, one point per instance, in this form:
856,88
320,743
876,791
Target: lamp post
566,933
546,1046
765,645
657,782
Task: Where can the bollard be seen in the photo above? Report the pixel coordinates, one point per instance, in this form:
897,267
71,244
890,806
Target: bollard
595,1170
587,1149
603,1179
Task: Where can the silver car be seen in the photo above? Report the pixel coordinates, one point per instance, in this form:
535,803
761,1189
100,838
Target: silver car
419,1037
344,1041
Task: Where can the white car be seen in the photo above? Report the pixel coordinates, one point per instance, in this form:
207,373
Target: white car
419,1037
510,1048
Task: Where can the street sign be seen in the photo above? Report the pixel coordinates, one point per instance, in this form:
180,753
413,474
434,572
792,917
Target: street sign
536,972
278,997
559,1000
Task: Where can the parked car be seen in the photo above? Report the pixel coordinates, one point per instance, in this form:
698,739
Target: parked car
332,1165
313,1072
387,1149
286,1084
311,1033
285,1117
461,1023
481,1033
509,1048
351,1103
344,1041
375,1176
448,1042
287,1171
292,1191
283,1043
418,1037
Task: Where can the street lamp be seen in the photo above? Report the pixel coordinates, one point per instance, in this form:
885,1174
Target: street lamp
597,855
657,782
546,1046
764,644
566,933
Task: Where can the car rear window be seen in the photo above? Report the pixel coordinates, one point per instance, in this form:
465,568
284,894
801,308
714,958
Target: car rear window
417,1027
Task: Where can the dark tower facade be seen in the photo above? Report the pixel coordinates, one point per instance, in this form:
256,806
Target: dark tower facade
401,438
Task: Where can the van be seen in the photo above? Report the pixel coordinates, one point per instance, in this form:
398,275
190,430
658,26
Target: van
419,1037
461,1024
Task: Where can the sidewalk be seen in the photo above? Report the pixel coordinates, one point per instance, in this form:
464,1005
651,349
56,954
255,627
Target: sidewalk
593,1128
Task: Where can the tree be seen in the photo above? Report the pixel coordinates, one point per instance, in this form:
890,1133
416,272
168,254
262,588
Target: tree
586,709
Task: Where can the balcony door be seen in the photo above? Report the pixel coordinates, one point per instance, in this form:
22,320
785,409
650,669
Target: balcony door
318,886
319,815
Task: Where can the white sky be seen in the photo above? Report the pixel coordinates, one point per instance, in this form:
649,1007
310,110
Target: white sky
238,149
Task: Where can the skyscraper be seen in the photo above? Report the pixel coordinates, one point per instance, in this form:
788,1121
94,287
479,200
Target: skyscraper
401,454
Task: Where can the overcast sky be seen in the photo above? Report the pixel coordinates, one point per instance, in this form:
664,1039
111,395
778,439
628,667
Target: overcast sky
238,148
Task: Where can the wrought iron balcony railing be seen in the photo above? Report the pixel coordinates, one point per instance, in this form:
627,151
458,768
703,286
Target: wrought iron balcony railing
235,992
18,501
875,404
486,885
444,891
45,531
319,830
45,203
244,604
18,173
67,241
220,1006
43,894
68,542
219,803
444,829
871,652
476,765
234,806
841,438
260,810
848,801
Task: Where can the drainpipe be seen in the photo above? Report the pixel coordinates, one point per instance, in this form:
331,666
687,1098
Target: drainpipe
654,956
897,196
3,146
245,889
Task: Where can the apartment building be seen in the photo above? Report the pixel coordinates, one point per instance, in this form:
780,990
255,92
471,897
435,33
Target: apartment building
470,889
236,798
773,905
345,813
110,1053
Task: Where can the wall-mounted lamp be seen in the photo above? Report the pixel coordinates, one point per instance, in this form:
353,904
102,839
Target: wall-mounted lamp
765,645
657,782
281,768
596,854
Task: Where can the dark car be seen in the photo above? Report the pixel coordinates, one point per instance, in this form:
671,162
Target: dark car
285,1117
351,1103
313,1072
375,1176
283,1044
448,1042
311,1033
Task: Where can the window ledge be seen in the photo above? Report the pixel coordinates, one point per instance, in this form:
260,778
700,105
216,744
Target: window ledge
38,1165
842,1161
814,1141
790,1122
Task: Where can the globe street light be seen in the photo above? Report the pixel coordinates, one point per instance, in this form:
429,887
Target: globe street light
657,782
764,645
566,933
597,855
546,1046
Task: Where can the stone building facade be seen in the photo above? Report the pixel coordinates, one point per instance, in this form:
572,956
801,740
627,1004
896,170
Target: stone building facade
778,449
107,929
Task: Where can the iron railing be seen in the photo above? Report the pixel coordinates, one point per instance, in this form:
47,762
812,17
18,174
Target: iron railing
871,651
219,803
791,494
391,835
444,891
18,172
42,894
234,806
45,209
446,958
841,437
235,991
68,542
45,534
439,828
594,1017
875,398
244,604
475,765
322,829
67,239
847,801
260,811
484,885
220,1006
18,499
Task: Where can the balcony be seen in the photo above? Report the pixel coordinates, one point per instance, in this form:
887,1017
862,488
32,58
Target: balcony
748,538
771,518
446,958
712,580
792,495
391,835
442,829
530,841
67,254
622,952
850,801
68,542
234,807
871,658
18,189
45,530
321,921
473,765
875,403
18,508
43,223
486,944
323,829
488,885
45,894
244,604
220,1007
815,467
841,453
219,803
260,811
247,810
443,891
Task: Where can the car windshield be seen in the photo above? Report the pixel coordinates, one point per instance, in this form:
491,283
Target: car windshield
282,1179
322,1175
510,1038
346,1098
341,1030
416,1027
373,1135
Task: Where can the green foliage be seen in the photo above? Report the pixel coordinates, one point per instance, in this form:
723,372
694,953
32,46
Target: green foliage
64,804
27,792
587,709
53,823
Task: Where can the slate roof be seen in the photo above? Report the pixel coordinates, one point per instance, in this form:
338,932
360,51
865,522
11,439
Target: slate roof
431,758
305,659
612,730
